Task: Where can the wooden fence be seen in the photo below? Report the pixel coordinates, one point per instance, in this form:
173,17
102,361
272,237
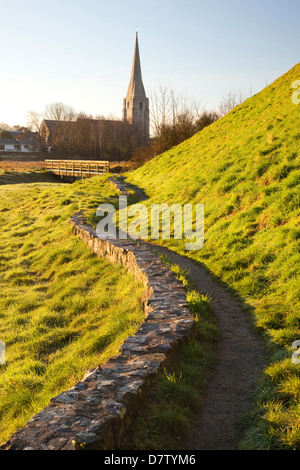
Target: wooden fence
77,168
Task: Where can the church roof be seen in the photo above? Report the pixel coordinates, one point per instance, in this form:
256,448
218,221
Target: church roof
136,87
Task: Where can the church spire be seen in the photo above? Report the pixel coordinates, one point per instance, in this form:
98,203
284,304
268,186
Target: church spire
136,103
136,87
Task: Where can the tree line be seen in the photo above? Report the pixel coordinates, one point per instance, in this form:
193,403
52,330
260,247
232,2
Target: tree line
173,119
78,135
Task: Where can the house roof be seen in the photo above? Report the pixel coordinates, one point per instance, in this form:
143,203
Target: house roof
52,124
9,142
28,141
15,133
28,136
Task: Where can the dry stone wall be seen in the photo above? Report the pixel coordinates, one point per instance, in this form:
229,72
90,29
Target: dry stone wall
95,412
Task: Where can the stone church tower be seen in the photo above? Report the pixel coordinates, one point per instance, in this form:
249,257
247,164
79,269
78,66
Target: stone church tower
136,104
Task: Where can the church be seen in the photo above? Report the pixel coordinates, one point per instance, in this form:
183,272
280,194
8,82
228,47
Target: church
102,138
136,104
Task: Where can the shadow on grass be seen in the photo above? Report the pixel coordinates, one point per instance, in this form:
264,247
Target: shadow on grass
139,193
25,177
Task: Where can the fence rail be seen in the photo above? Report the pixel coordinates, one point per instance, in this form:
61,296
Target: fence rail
77,168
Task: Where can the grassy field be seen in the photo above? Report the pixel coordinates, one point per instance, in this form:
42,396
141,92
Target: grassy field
63,310
245,168
20,166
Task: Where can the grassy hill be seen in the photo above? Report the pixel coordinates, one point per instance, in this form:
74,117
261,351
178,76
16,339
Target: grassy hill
62,309
245,168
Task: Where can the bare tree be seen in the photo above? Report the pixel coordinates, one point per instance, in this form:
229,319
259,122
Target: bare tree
205,119
175,118
157,110
5,127
60,112
34,121
231,99
64,134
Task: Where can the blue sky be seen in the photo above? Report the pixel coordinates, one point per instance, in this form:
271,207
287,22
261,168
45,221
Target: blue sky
80,52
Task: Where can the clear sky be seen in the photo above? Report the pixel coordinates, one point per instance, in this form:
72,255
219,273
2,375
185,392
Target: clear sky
80,52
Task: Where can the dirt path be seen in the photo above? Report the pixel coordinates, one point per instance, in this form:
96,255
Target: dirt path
241,358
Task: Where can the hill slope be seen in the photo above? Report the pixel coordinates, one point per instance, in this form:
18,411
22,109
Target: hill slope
245,169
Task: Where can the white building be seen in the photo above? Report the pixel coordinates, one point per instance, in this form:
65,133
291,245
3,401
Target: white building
19,142
9,145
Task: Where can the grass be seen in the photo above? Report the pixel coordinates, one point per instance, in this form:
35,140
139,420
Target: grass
62,309
169,413
245,168
21,166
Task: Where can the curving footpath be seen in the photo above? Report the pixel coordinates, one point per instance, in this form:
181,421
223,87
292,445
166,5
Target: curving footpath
95,413
241,358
